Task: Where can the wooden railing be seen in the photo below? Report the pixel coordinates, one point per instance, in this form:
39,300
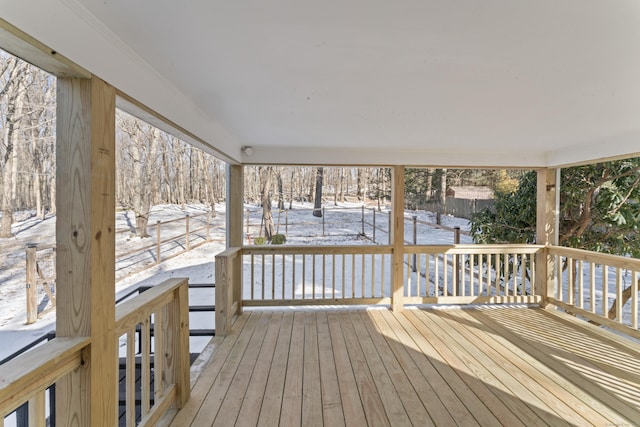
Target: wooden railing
27,377
161,313
599,287
298,275
463,274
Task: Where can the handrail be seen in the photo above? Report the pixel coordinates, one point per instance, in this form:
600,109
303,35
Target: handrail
473,249
598,287
304,275
315,250
599,258
471,274
30,374
167,304
131,312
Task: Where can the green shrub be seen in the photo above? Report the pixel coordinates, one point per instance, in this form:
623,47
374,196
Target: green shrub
278,239
260,240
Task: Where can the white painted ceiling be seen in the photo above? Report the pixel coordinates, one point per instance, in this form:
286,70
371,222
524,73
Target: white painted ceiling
424,82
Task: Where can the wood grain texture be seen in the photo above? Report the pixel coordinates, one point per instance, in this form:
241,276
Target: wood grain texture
476,366
397,238
85,236
34,371
22,45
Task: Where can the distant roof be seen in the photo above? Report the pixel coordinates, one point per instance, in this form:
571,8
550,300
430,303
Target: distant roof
470,192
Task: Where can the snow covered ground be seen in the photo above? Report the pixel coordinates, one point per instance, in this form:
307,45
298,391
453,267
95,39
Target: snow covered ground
343,226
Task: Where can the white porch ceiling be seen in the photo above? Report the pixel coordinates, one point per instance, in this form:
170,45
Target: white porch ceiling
518,83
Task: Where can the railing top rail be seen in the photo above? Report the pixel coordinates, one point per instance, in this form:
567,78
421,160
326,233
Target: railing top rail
45,247
313,250
596,257
135,310
474,249
231,251
37,369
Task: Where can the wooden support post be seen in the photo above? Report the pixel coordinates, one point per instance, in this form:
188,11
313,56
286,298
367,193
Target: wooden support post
415,242
390,226
32,284
457,266
548,194
397,237
235,208
85,238
224,291
374,225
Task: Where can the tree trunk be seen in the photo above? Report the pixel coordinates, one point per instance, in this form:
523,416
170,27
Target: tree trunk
9,177
342,185
317,205
52,194
291,188
39,205
429,184
280,192
267,217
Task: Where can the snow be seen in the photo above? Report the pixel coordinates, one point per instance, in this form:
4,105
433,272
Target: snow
343,225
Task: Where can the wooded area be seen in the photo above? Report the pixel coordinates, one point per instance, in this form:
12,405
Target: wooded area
154,167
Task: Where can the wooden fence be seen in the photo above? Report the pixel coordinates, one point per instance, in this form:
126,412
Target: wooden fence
40,260
366,222
461,208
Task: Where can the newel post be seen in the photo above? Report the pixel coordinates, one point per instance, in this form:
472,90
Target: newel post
547,209
397,238
85,238
235,211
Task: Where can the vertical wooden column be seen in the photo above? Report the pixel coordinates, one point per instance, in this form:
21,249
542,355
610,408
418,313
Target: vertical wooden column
547,202
85,268
397,238
235,210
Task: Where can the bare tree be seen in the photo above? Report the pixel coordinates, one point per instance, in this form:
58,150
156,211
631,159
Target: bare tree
265,197
12,94
317,205
140,145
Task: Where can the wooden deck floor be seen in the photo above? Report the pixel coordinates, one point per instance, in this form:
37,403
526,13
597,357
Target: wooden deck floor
488,366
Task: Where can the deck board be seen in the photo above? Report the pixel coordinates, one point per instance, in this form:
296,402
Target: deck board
505,365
